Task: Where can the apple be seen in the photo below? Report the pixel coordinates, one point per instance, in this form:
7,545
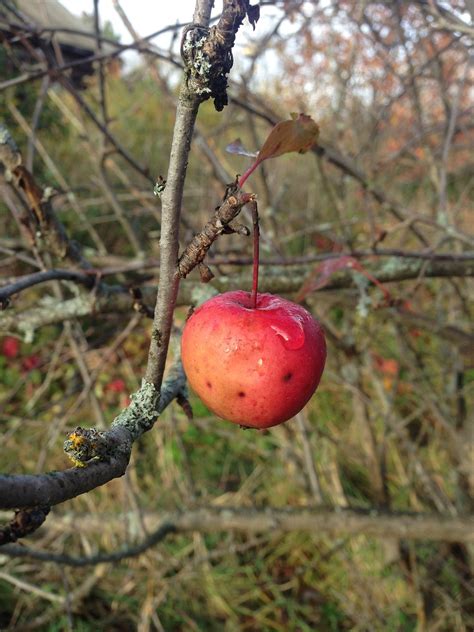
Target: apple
254,366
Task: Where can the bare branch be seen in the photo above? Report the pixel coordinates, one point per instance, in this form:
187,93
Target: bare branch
319,520
195,252
121,48
29,280
282,280
105,455
205,75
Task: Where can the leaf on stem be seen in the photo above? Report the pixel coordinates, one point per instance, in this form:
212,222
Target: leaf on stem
299,134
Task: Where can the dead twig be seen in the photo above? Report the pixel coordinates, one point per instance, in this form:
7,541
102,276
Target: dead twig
195,252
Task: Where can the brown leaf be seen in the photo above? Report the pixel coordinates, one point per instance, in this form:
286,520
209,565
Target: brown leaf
298,134
205,273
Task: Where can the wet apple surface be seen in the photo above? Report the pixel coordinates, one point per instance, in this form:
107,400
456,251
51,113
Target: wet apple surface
255,367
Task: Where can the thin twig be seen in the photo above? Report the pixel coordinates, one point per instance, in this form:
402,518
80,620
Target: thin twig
29,280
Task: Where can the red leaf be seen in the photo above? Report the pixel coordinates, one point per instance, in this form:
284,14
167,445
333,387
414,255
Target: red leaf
10,347
387,366
321,275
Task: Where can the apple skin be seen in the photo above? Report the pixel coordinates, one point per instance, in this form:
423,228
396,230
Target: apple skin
254,367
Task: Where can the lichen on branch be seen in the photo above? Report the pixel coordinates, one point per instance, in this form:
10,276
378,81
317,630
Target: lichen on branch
207,53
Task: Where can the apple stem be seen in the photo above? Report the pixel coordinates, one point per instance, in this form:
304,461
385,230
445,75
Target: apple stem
256,254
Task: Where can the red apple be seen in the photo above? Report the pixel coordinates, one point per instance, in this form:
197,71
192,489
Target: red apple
255,367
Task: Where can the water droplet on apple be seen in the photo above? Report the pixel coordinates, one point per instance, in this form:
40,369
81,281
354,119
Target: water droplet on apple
286,321
290,331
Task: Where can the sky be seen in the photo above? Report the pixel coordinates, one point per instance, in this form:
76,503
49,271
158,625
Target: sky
149,16
146,16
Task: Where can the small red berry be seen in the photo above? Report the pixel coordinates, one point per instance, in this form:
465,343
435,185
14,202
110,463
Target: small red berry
116,386
10,347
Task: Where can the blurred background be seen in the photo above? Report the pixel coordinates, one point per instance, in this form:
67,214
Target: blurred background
371,231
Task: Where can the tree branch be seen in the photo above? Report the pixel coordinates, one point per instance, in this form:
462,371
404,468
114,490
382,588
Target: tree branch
29,280
203,52
105,455
318,520
196,251
24,522
280,280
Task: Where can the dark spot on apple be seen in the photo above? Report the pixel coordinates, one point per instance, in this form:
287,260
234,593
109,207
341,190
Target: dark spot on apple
241,394
208,384
287,377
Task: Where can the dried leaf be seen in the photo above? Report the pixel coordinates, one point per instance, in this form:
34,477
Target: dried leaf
205,273
253,14
321,275
298,134
387,366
